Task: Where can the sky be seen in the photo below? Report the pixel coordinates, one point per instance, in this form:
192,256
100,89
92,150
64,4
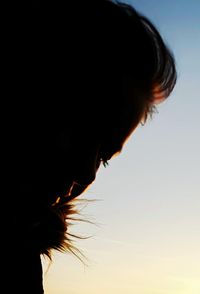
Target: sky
146,233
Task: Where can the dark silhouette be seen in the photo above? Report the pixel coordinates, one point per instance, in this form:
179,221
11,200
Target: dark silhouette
84,76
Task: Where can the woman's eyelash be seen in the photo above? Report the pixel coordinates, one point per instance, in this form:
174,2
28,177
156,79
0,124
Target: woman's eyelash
104,162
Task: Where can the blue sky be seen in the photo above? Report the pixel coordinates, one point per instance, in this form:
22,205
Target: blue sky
148,235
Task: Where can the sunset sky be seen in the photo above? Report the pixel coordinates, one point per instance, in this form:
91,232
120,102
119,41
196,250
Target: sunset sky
146,236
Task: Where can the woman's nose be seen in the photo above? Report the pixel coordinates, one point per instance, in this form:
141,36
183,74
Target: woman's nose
85,173
86,168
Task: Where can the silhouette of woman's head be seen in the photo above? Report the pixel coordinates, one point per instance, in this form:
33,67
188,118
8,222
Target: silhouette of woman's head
103,71
92,72
96,70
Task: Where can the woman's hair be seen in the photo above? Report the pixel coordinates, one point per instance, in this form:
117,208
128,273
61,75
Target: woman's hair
132,47
89,47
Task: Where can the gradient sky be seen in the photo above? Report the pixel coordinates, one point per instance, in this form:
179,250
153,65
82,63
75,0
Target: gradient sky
147,237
